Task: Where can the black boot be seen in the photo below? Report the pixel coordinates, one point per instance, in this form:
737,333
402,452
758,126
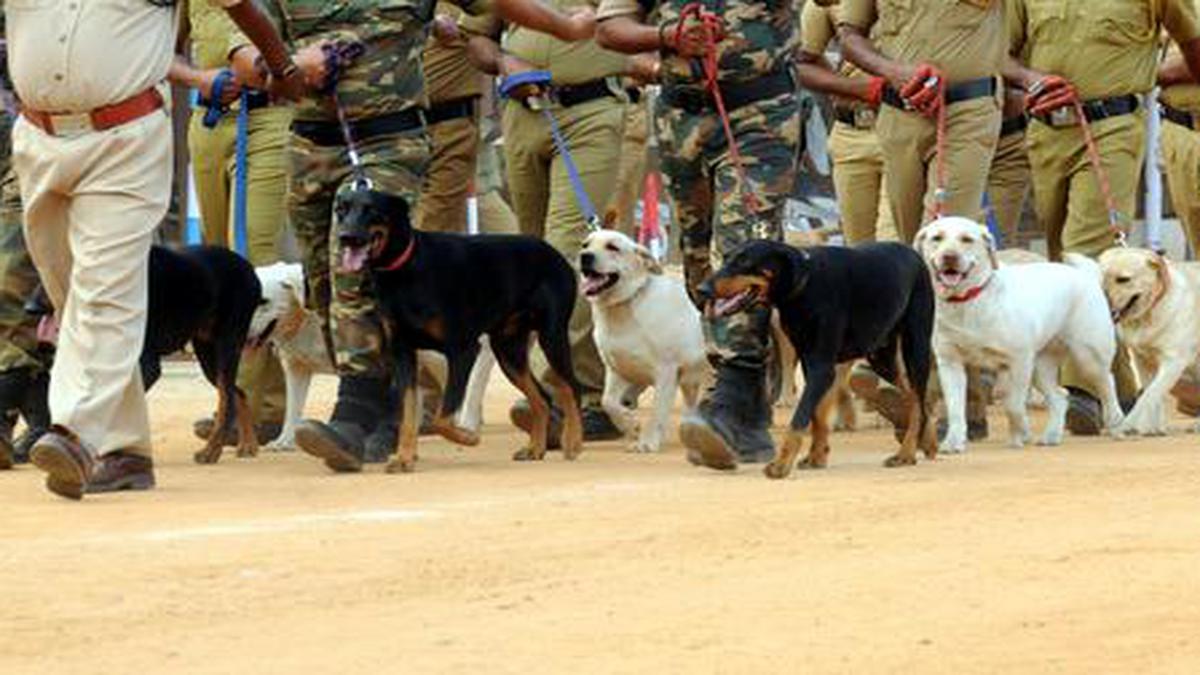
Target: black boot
732,423
362,403
35,409
15,384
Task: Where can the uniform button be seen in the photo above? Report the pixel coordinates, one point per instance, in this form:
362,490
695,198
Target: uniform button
62,38
58,77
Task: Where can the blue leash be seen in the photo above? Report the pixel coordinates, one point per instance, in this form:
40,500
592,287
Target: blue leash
541,102
992,225
213,113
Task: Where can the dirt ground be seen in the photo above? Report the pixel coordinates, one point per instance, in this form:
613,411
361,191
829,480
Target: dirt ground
1076,559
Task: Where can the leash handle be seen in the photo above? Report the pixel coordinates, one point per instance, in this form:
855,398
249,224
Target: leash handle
214,111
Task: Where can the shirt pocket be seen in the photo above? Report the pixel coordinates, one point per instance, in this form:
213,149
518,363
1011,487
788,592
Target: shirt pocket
893,15
1121,22
1043,17
965,13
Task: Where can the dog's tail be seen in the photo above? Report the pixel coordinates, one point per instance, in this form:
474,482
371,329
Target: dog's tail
1084,264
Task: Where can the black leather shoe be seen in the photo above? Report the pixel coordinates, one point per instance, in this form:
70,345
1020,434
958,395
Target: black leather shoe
732,424
122,470
68,463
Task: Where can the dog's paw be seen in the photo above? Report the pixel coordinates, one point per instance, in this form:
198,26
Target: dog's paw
401,466
898,460
643,447
1051,438
280,446
247,452
811,462
948,447
777,470
528,455
207,456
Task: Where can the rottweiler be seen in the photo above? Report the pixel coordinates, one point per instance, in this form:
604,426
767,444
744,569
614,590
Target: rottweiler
442,292
205,295
838,304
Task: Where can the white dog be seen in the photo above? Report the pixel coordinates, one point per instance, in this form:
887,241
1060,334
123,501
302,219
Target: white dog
646,329
1156,306
283,321
1026,319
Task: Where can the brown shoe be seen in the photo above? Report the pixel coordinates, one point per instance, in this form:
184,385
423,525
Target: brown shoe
68,463
120,470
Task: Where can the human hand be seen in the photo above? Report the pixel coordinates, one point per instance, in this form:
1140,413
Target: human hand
206,83
1050,93
643,68
923,91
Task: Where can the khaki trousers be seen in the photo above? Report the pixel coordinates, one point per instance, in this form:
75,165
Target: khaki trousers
214,168
495,215
1181,155
92,203
1070,205
909,142
443,204
860,186
1008,185
546,205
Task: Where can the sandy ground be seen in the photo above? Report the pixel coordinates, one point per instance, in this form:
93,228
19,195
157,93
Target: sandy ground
1076,559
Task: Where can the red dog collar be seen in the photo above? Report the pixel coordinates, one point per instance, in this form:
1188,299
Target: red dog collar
399,262
970,294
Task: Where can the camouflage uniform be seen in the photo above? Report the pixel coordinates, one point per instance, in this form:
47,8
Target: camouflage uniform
18,332
702,180
386,79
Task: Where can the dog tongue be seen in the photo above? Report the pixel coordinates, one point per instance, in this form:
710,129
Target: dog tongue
592,284
353,259
47,330
723,306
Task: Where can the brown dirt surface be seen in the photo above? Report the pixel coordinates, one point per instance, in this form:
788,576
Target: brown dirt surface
1076,559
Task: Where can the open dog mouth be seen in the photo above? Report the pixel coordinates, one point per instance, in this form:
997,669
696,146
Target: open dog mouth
732,304
1118,314
951,277
595,283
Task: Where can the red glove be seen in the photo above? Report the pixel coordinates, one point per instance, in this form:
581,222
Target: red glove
1050,93
923,91
875,91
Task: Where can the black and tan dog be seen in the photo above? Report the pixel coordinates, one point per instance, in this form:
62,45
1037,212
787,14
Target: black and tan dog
443,291
204,295
838,304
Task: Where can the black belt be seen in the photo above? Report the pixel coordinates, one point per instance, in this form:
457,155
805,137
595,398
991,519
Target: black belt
955,93
1014,125
254,100
859,118
330,133
1180,117
454,109
569,95
1094,110
734,94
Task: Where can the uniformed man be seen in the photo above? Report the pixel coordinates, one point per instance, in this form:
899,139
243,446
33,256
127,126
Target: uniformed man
1008,177
1103,54
854,148
631,174
1180,141
214,169
24,363
718,206
589,106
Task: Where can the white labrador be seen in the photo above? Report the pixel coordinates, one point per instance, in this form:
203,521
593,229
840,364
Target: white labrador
647,331
1027,319
1156,306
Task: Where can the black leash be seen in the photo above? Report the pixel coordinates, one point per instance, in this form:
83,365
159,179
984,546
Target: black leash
337,56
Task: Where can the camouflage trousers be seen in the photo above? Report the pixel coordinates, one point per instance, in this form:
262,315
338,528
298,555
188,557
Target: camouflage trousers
19,347
395,163
712,211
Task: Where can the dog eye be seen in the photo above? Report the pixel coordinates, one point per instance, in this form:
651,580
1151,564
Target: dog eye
967,239
936,238
613,247
1124,280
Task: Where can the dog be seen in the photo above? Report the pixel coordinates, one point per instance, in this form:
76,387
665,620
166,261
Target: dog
838,304
442,292
206,296
647,331
1025,319
284,322
1155,304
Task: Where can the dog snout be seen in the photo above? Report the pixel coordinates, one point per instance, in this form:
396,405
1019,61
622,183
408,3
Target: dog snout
587,261
951,260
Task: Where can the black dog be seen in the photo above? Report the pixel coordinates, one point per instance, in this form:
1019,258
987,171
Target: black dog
443,291
838,304
205,295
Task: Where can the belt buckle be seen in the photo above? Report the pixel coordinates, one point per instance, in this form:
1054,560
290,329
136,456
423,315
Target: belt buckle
77,124
1063,117
864,118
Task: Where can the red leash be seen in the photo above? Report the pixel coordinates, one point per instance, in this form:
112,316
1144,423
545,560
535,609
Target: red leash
712,24
1093,152
939,190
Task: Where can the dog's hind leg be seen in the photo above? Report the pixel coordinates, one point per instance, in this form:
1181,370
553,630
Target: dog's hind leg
1015,399
206,354
470,417
555,341
817,386
1045,378
916,352
405,458
296,379
247,439
512,353
818,451
459,367
847,415
665,383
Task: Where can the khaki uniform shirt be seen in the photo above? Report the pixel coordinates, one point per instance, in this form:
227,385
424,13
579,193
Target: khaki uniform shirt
966,39
448,73
1104,47
818,27
568,62
1182,96
212,32
69,56
761,36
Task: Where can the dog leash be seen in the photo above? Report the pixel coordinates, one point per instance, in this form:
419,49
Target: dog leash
540,81
1093,153
337,55
213,113
711,23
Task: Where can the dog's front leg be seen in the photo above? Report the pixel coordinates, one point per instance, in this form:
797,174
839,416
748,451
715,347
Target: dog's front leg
296,379
952,375
405,459
615,387
819,380
471,416
666,380
1020,373
1148,417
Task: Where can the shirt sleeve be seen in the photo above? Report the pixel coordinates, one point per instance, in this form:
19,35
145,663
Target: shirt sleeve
816,29
858,13
1015,20
1180,20
610,8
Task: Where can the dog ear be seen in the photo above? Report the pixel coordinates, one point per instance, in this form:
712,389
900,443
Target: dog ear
918,242
991,248
648,262
1158,263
